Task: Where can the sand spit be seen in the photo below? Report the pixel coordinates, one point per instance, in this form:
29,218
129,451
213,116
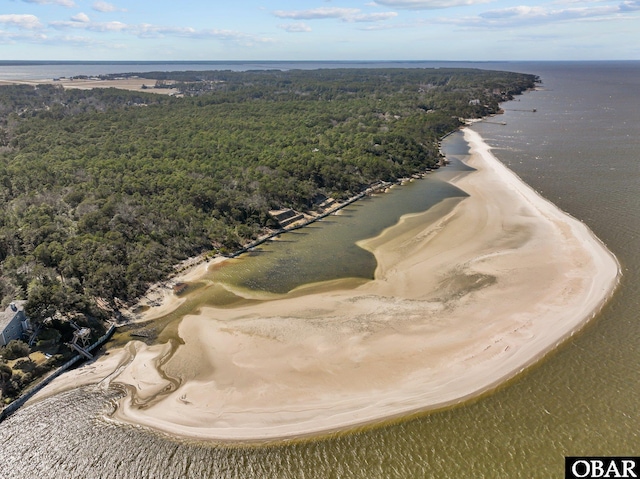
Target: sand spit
457,307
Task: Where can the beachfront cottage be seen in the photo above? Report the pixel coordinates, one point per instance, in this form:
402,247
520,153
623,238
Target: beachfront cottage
13,323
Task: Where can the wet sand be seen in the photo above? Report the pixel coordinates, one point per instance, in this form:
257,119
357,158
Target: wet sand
458,306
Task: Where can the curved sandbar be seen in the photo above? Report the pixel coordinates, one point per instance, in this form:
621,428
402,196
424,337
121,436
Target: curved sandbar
457,307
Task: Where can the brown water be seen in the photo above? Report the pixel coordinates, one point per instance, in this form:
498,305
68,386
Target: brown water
581,149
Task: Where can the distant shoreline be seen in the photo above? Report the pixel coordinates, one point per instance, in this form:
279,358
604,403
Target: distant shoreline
132,84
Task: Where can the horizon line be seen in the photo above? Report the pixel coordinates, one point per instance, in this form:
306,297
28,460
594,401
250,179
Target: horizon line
8,62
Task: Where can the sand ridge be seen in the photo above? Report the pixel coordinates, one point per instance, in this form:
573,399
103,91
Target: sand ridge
457,306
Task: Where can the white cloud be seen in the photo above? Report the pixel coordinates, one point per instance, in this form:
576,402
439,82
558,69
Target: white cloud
77,41
13,38
344,14
630,6
524,15
372,17
417,23
298,27
92,26
427,4
62,3
105,7
28,22
521,11
109,27
317,13
81,17
239,38
146,30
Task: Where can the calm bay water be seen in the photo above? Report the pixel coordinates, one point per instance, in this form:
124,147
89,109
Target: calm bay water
327,249
580,149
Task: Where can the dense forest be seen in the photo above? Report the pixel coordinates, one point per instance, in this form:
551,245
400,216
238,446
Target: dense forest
103,191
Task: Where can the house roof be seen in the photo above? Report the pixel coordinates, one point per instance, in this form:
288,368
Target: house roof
8,314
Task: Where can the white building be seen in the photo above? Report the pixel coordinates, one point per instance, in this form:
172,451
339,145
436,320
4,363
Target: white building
13,322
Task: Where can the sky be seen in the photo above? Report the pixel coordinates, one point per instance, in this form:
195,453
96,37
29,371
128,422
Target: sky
209,30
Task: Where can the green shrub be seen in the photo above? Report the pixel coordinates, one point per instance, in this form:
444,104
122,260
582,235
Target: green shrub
15,349
26,365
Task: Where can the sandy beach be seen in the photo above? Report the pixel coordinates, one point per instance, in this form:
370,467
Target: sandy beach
457,307
132,84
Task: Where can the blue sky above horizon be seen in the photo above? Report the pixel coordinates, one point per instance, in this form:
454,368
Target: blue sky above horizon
320,30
